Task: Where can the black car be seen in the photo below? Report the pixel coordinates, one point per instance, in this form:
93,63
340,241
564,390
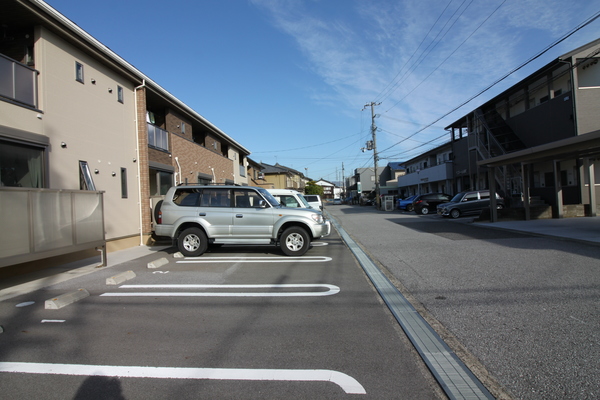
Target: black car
425,203
472,202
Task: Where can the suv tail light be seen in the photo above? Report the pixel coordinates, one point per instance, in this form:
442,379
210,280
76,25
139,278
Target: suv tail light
159,217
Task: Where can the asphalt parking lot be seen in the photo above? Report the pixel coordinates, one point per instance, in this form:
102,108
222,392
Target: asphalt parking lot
242,322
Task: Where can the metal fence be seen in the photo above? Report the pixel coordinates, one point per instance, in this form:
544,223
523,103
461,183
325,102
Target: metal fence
41,223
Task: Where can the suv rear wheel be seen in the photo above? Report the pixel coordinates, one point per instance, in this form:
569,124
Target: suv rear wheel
192,242
294,241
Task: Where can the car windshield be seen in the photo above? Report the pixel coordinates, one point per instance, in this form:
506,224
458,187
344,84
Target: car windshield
303,200
456,199
269,197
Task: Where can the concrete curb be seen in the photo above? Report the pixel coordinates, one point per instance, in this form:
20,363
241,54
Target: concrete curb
120,278
158,263
66,299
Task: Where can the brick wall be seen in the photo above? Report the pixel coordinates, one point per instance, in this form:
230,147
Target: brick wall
194,158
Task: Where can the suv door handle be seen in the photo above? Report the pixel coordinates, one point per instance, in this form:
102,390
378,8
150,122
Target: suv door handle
202,214
239,215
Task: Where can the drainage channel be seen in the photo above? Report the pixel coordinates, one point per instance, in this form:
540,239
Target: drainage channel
451,373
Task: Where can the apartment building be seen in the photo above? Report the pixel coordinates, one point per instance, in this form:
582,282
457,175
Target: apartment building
429,172
76,116
538,139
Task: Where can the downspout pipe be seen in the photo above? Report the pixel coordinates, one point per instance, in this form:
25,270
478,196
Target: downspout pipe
179,169
137,155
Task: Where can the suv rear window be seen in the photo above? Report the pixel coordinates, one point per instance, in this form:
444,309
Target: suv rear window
187,197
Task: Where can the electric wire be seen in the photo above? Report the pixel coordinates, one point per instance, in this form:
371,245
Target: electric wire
522,65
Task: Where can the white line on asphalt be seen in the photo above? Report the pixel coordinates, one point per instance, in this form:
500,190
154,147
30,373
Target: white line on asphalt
253,259
332,289
53,320
346,382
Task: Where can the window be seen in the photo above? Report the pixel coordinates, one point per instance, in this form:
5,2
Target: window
187,197
78,72
215,198
160,182
123,183
288,201
470,197
119,94
246,198
183,128
85,177
21,165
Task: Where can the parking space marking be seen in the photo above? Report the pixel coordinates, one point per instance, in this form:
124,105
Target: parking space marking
346,382
332,289
305,259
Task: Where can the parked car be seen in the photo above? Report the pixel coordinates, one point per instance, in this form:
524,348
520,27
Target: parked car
198,216
314,200
337,201
426,203
406,204
290,198
465,203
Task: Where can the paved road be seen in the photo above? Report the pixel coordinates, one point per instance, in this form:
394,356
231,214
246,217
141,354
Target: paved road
327,336
524,309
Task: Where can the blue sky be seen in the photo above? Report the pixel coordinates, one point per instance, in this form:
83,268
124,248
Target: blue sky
288,79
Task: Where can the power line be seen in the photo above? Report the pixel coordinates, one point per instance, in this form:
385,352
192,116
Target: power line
531,59
385,91
450,55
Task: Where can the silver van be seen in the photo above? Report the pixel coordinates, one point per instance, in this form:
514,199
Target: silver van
197,216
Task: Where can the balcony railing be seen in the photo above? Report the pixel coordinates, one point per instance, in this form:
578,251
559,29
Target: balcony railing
436,173
18,82
158,138
47,222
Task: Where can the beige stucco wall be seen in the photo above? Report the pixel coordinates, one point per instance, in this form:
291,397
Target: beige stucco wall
94,125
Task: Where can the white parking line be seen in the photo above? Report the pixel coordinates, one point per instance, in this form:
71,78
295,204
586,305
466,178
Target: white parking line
253,259
332,289
346,382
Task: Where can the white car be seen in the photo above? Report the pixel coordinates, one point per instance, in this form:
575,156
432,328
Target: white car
290,198
314,200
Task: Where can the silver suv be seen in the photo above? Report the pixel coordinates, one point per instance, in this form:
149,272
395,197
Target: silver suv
196,216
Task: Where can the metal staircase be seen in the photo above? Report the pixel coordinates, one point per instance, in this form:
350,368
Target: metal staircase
491,137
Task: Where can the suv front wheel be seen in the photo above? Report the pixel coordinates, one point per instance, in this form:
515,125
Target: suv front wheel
192,242
294,241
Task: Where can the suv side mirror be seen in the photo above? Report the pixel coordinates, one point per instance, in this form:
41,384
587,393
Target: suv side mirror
262,204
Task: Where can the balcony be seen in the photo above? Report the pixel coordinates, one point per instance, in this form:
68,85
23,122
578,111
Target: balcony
49,222
437,173
18,82
158,138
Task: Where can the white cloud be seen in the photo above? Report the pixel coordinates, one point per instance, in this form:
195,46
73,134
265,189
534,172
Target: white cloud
359,52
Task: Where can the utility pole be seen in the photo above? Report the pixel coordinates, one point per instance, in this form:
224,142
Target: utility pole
374,147
343,183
